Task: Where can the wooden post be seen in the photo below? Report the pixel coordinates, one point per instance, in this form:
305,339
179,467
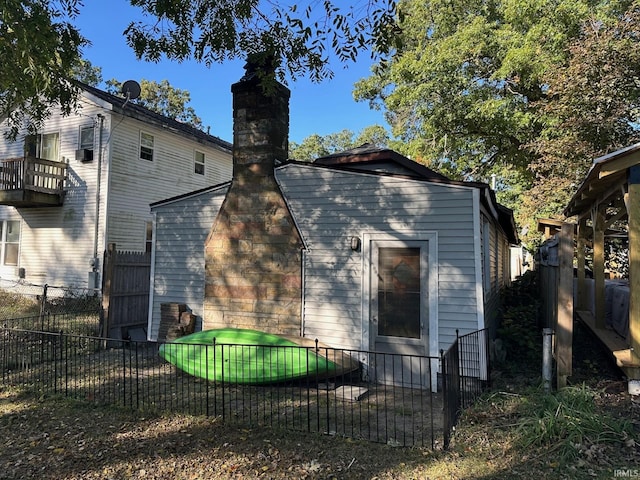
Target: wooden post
598,265
107,282
633,210
581,293
564,327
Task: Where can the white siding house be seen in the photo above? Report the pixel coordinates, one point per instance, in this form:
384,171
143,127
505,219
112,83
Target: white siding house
346,218
181,227
116,158
363,250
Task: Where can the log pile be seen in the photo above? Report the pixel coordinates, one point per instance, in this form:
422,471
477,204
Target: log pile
175,321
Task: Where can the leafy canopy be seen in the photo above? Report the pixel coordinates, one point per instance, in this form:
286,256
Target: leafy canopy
315,146
38,48
302,35
473,84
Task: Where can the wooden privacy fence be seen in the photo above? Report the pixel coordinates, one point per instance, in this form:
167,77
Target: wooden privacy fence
125,292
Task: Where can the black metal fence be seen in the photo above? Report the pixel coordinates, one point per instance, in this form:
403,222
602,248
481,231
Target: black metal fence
347,402
381,397
50,309
466,374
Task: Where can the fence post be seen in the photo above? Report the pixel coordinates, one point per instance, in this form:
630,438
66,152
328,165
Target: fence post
446,427
564,328
43,305
107,278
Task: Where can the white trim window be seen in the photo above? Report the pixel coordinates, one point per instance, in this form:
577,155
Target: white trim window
43,145
9,242
85,140
198,160
146,146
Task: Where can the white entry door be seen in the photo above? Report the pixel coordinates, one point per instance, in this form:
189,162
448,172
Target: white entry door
399,310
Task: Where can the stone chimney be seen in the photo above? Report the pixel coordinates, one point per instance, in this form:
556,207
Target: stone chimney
253,252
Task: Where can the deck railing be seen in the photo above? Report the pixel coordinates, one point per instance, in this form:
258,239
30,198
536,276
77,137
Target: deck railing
30,173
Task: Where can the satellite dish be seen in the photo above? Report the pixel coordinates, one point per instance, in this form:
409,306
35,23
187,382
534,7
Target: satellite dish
131,89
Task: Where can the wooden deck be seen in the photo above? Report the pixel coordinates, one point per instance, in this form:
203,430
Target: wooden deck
618,346
32,182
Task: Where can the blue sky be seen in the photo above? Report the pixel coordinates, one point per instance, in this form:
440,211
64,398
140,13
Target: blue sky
315,108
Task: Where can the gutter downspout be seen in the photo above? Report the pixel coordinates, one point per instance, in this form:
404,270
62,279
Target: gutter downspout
95,260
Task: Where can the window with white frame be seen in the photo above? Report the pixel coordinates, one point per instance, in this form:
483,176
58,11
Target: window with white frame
199,163
42,145
146,146
86,138
9,242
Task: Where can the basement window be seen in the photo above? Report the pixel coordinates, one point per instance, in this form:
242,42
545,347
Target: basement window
146,146
199,163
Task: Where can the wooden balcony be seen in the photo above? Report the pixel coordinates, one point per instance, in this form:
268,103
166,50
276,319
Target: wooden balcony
32,182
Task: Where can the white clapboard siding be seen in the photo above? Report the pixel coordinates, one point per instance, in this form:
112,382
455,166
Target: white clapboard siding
181,230
135,183
57,243
332,206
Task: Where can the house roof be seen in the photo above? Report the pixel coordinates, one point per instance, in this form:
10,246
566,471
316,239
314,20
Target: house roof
370,157
371,160
212,188
138,112
383,161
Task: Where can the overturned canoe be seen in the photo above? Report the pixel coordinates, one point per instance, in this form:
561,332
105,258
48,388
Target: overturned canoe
245,356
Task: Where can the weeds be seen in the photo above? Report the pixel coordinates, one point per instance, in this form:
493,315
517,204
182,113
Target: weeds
518,328
566,421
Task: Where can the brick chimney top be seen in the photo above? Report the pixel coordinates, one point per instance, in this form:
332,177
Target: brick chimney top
260,65
260,120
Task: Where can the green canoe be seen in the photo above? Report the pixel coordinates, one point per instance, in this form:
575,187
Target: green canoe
249,357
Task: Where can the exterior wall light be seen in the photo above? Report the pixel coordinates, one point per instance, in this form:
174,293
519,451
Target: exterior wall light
355,244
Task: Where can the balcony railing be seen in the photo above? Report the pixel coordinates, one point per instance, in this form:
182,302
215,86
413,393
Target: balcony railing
32,182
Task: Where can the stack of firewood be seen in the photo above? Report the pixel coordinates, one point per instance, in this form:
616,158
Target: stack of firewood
175,321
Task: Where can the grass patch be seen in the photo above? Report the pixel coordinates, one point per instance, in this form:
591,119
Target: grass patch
14,305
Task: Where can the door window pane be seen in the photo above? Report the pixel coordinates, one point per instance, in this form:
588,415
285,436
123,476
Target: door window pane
42,146
399,292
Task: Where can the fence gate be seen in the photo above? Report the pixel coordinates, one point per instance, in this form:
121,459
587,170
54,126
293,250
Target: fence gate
125,293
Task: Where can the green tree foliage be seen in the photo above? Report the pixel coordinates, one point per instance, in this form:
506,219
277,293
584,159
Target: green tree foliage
473,84
162,98
315,145
303,34
39,45
38,48
84,71
592,108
